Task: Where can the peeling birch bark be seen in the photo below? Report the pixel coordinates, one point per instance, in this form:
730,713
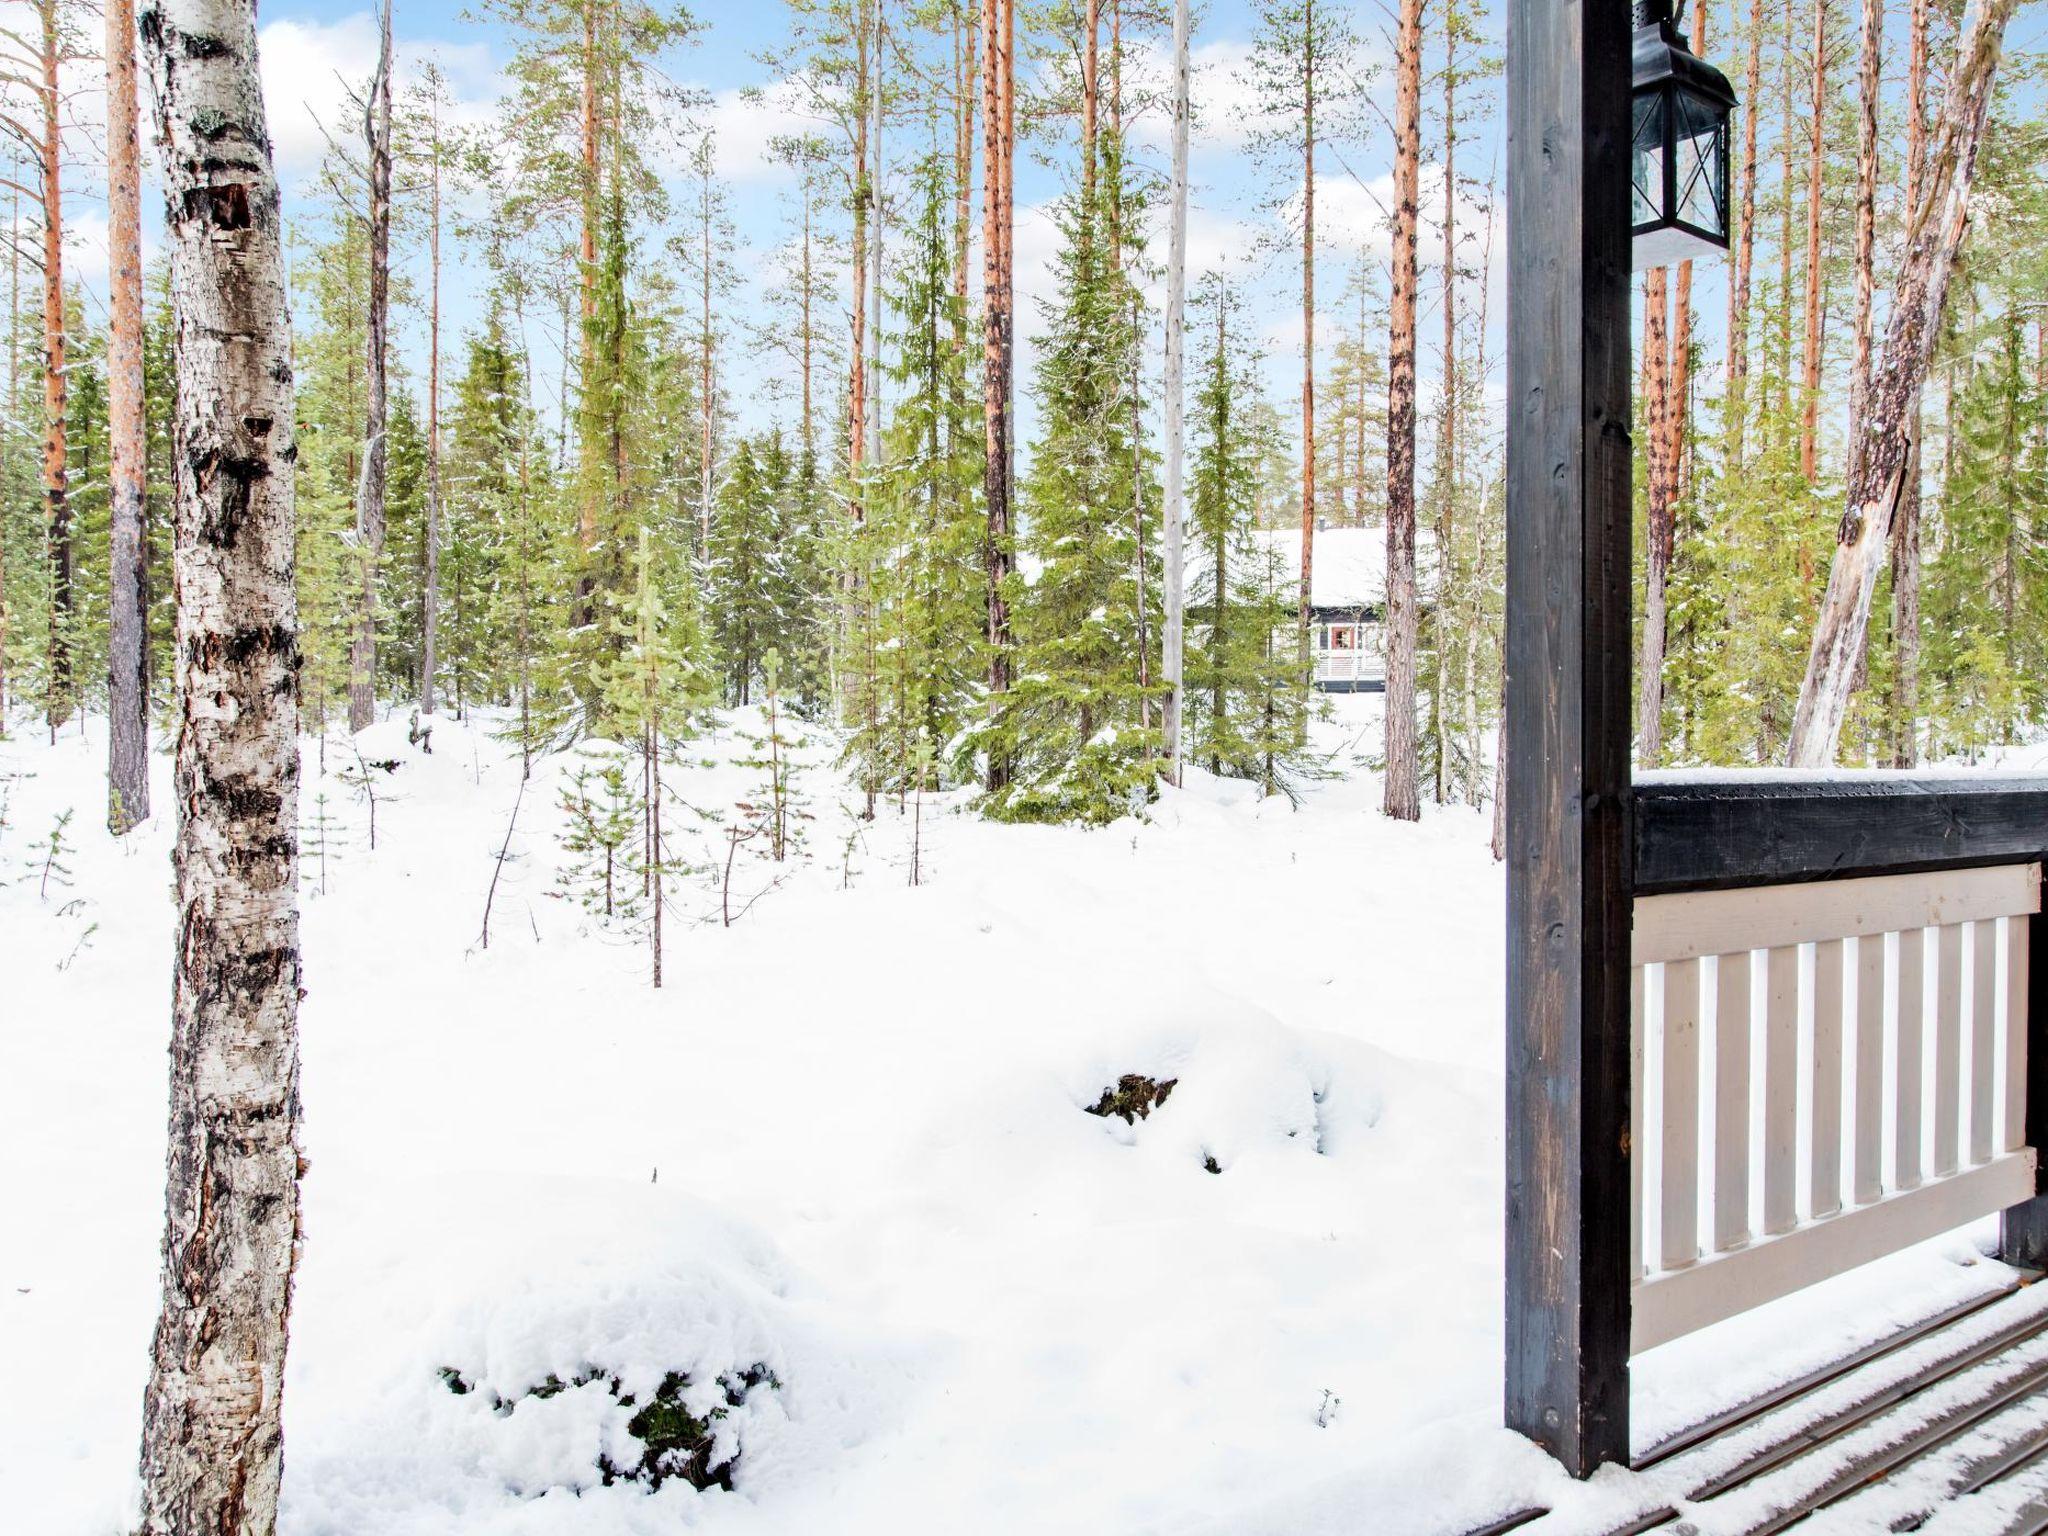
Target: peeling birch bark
212,1442
1879,467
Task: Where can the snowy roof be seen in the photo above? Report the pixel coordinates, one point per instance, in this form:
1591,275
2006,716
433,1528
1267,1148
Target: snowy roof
1350,563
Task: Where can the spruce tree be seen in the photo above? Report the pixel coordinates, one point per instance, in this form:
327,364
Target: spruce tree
1073,722
744,574
926,611
1246,697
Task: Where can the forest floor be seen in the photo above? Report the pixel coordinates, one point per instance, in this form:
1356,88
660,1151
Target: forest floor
847,1144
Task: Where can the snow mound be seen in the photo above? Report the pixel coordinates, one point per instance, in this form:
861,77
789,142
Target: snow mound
523,1343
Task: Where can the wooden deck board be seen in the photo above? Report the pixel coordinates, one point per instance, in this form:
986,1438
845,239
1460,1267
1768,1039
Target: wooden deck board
1952,1411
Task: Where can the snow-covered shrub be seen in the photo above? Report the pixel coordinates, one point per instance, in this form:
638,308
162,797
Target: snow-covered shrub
673,1431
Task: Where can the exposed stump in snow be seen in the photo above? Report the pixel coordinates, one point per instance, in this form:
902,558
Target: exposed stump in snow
675,1440
1133,1098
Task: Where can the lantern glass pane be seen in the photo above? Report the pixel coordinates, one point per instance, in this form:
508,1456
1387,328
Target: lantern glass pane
1701,145
1647,173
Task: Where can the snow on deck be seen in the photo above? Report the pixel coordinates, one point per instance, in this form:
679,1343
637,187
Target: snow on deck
846,1142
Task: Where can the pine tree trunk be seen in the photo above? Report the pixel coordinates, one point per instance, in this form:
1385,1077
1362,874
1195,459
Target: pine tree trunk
1657,410
1878,486
998,100
127,607
362,670
863,194
1906,536
1308,325
1447,449
877,209
56,377
966,83
1403,792
1869,83
586,279
212,1440
1090,24
1816,167
1176,342
430,597
1745,242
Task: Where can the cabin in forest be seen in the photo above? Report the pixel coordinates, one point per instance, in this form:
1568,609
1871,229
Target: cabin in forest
1347,601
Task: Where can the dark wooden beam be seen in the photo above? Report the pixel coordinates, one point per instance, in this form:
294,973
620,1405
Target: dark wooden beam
1718,831
1568,728
2023,1228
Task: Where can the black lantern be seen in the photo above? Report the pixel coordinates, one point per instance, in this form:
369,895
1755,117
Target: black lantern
1679,164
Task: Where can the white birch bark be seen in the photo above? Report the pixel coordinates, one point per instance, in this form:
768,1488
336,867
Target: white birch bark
362,681
1176,338
1879,466
212,1443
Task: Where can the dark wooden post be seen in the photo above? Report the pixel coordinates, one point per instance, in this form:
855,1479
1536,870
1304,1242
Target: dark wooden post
2023,1228
1568,728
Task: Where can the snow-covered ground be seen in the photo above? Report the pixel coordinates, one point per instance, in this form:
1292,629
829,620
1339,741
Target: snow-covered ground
846,1143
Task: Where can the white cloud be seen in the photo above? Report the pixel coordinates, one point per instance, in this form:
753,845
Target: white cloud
747,120
310,69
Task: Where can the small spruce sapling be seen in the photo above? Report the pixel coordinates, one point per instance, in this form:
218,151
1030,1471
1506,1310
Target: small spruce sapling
774,755
322,839
922,760
55,847
364,787
603,825
652,690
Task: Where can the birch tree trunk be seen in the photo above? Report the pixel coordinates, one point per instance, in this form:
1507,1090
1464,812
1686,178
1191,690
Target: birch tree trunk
431,596
212,1442
1877,486
362,669
1176,341
1403,792
127,604
705,345
13,398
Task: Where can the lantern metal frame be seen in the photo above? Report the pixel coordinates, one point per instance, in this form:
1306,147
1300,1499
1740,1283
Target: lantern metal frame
1674,84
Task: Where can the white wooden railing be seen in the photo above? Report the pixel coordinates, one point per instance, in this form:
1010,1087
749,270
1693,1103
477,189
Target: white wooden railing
1824,1073
1349,666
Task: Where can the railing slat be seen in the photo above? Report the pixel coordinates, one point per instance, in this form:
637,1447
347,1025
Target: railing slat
1731,1101
1911,1036
1867,1177
1932,1054
1781,1089
1948,1047
1681,1127
2018,937
1984,980
1826,1151
1638,1112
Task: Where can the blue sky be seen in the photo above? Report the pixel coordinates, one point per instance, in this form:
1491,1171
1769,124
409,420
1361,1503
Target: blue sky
312,53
